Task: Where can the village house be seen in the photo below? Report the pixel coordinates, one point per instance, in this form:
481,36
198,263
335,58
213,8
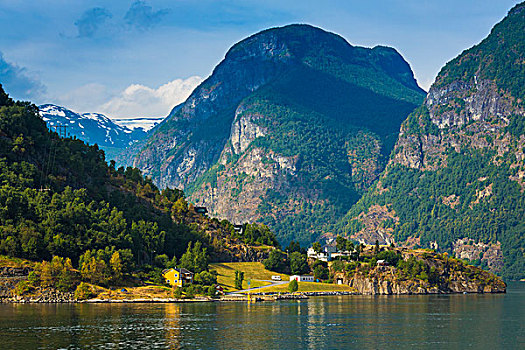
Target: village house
381,263
178,276
302,278
324,255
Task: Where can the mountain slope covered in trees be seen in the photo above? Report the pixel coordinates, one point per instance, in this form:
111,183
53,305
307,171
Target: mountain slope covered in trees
455,181
289,130
59,197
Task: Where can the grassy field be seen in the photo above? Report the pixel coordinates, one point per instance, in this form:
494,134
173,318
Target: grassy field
310,287
254,271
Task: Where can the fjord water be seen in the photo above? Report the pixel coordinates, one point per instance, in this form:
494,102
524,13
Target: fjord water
344,322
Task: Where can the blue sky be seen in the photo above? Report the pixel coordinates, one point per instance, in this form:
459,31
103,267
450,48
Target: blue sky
139,58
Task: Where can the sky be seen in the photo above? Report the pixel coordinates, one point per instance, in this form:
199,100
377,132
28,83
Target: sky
135,58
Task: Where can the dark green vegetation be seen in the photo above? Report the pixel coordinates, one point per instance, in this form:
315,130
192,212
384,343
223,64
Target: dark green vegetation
293,286
336,126
59,199
473,190
423,213
258,234
331,109
296,262
433,269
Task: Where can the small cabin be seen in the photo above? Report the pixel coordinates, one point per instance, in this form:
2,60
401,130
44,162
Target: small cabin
177,277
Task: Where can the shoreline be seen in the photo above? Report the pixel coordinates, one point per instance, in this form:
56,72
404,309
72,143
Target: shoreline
253,297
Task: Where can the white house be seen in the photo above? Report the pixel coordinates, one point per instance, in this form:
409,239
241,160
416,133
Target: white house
324,255
381,263
302,278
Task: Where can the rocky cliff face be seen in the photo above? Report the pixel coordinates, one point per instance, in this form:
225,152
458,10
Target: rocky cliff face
467,115
456,172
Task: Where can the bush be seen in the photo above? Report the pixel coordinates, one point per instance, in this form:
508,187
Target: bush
190,291
277,262
22,288
212,291
338,266
177,292
84,291
321,272
206,278
293,286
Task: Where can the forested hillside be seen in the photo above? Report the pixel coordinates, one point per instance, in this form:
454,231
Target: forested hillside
58,197
455,181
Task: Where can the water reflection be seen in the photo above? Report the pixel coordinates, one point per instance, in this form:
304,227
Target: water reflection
172,326
364,322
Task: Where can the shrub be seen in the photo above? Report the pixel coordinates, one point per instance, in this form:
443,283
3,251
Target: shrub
22,287
293,286
84,291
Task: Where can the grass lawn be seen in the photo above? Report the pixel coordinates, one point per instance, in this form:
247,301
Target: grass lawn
310,287
254,271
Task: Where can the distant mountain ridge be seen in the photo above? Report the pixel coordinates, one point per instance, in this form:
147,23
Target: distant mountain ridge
289,130
93,128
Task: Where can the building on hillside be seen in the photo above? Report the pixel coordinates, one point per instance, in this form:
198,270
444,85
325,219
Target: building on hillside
178,276
381,263
324,255
302,278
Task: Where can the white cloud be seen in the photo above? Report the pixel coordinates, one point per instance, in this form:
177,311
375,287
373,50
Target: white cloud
87,98
135,101
142,101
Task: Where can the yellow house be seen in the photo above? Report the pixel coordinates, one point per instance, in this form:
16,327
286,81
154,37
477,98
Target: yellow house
177,276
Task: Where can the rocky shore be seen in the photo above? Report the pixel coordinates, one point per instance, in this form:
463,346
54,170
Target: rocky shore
449,276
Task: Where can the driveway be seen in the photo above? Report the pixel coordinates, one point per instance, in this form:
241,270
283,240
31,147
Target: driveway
273,283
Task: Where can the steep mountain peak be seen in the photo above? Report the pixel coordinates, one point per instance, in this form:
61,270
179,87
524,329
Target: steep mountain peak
294,41
498,58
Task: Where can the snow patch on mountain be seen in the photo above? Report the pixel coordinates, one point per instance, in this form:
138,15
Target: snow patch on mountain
96,128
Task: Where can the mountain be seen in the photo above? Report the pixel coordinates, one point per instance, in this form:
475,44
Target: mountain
93,128
455,181
289,130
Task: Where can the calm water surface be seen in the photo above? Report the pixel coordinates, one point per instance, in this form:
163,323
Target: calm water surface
347,322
